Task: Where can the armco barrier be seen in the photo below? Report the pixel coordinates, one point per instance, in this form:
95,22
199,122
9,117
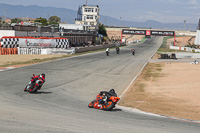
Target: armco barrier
18,50
97,47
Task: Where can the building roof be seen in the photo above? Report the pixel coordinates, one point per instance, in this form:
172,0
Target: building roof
89,6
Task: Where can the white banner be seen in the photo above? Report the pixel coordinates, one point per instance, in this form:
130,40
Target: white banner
36,42
43,43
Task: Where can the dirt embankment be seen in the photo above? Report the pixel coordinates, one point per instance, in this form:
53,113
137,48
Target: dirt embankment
170,89
182,41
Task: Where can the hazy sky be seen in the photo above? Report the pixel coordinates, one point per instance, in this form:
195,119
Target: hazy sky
132,10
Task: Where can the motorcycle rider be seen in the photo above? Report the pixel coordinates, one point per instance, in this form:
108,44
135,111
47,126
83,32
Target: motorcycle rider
112,91
101,98
133,51
39,79
117,50
107,51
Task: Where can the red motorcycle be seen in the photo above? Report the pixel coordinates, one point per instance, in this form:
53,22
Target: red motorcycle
34,85
106,101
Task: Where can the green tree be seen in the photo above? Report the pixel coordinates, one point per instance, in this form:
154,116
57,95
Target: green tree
15,20
102,30
1,21
42,20
54,20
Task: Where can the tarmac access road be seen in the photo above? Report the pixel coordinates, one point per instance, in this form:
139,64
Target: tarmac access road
62,104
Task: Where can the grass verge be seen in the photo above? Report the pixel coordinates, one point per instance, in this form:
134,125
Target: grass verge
137,93
143,39
164,48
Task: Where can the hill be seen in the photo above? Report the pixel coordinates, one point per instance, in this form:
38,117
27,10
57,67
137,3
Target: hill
68,15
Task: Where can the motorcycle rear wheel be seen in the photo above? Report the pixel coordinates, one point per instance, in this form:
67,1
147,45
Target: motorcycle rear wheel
107,53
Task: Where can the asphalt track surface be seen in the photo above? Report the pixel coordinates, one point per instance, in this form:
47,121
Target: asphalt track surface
62,104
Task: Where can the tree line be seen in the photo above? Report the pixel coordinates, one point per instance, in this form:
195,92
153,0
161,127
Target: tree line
43,21
54,20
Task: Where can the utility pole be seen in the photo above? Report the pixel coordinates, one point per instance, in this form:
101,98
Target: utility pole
184,29
120,22
86,2
121,29
184,24
5,14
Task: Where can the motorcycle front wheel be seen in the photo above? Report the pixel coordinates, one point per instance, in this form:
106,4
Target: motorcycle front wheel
34,89
109,106
91,104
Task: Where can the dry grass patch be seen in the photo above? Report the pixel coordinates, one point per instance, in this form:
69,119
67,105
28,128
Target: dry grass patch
143,95
156,56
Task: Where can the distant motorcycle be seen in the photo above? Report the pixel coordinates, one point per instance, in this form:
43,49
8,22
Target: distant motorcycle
133,51
117,50
107,53
109,103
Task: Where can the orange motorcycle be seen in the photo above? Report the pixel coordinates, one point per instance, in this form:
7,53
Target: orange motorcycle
105,101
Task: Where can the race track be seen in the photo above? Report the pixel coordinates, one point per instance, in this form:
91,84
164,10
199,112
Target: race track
62,104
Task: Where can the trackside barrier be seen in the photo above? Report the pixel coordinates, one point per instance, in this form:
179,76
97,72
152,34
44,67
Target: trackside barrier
29,50
41,42
48,51
8,51
185,54
188,49
181,48
97,47
32,45
45,51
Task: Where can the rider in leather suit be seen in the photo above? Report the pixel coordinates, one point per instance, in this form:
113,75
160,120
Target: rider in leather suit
39,79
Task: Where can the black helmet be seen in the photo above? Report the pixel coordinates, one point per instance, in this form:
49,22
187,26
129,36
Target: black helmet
43,75
112,91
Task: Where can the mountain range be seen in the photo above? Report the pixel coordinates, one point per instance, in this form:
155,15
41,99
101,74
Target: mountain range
68,15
